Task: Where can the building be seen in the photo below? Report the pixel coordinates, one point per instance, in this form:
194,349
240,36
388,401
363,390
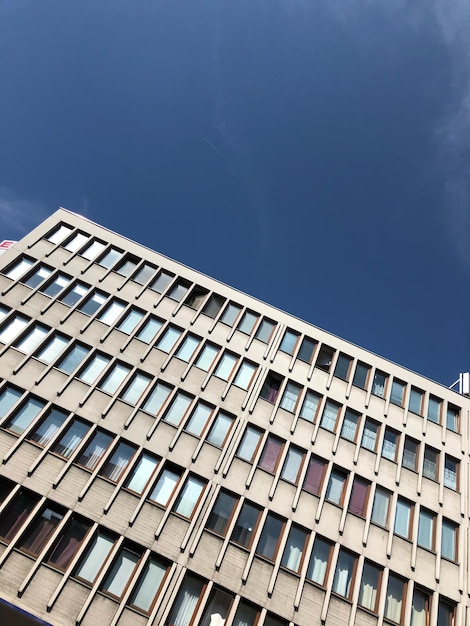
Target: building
177,452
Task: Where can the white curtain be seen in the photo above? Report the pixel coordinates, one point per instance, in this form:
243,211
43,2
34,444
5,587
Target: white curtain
289,399
343,574
94,558
49,427
319,561
335,488
368,591
349,427
418,610
380,508
309,407
189,496
291,467
394,599
330,413
245,615
148,585
369,436
185,603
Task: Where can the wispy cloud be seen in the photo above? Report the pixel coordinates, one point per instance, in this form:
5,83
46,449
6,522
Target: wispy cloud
18,215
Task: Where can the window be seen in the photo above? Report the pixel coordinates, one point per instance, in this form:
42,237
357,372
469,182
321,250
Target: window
186,602
381,507
69,441
295,548
136,388
74,294
343,366
225,366
244,375
95,450
426,529
149,584
187,348
349,428
161,282
54,286
143,274
195,298
213,306
94,368
220,429
379,383
292,464
270,388
16,513
398,392
344,574
59,234
451,473
142,473
178,290
77,242
431,457
189,496
157,398
369,436
207,356
246,524
36,333
73,358
130,322
434,409
3,311
359,497
115,466
420,608
390,444
395,599
403,518
271,453
12,327
272,620
325,358
126,266
290,397
177,409
217,607
449,540
199,418
370,583
230,314
265,330
92,562
93,303
446,614
335,488
165,487
38,276
25,415
247,322
247,615
306,350
121,571
289,341
452,421
221,513
68,542
416,401
111,312
319,561
114,378
110,258
18,268
310,406
47,429
149,330
410,453
8,397
249,443
330,415
92,250
269,541
315,475
39,531
361,375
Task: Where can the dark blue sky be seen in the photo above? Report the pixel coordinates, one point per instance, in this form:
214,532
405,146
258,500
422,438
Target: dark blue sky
313,154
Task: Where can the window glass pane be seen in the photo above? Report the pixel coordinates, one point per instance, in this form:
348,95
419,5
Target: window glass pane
246,615
136,388
76,242
165,486
292,464
94,368
213,306
16,513
221,513
349,428
225,366
249,443
220,429
112,312
32,339
68,543
19,268
244,375
142,473
207,356
398,390
344,574
289,342
22,418
247,322
269,540
359,493
93,303
426,529
402,519
93,250
129,323
334,491
186,601
3,311
430,463
115,378
157,398
38,276
310,406
434,410
270,388
380,507
449,540
94,557
230,314
314,476
121,571
294,549
169,338
56,285
189,496
120,459
369,586
177,409
58,235
73,295
199,419
361,375
187,348
389,447
409,454
95,450
394,599
218,605
149,330
319,561
143,275
265,330
8,397
161,282
290,397
271,453
450,473
416,401
12,328
148,585
73,358
196,297
126,267
110,258
330,415
48,428
452,421
369,436
178,291
342,366
306,350
245,525
325,358
378,384
40,530
71,439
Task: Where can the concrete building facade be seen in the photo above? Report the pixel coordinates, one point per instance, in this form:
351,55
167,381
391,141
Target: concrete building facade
175,452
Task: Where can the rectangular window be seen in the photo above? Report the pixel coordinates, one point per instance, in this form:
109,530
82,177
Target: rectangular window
142,473
319,561
126,266
453,418
8,398
335,488
390,444
94,249
148,585
95,556
130,322
369,435
178,291
310,406
434,409
359,497
403,518
16,513
177,409
40,530
136,388
110,258
410,454
293,464
73,358
244,375
74,294
55,286
315,475
25,415
330,415
249,443
207,356
149,330
451,473
187,348
247,615
13,327
343,366
289,341
370,583
94,368
157,398
361,375
111,313
344,574
144,274
18,268
219,604
47,429
95,450
195,298
114,378
416,401
398,392
68,542
265,330
306,351
426,529
270,388
325,358
381,507
379,384
165,486
271,453
115,466
39,275
59,234
431,458
446,614
77,242
449,540
395,599
122,569
247,322
184,606
221,513
269,541
295,548
29,342
69,442
220,429
161,282
93,303
225,366
213,306
199,418
189,496
246,524
350,422
420,608
290,397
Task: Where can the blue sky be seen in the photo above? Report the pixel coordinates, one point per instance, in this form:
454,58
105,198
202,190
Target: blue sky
315,154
